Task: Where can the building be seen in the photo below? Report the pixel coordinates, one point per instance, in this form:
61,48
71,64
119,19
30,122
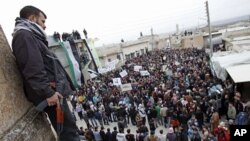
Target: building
195,41
114,55
237,40
108,53
81,54
135,48
234,63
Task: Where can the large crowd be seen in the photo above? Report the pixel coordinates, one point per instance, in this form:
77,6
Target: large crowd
181,94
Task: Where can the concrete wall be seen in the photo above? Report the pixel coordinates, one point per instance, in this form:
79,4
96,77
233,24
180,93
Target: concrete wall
216,39
127,48
18,119
104,60
107,50
132,48
242,32
175,41
192,41
163,43
110,57
111,52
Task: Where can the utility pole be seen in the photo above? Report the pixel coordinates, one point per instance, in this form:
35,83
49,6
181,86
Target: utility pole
152,34
209,30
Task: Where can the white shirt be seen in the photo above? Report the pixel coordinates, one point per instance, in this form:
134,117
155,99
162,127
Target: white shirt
161,137
142,112
120,137
92,107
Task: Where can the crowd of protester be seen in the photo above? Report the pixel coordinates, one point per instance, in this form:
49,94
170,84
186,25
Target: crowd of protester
183,96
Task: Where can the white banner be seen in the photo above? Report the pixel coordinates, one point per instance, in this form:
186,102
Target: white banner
144,73
123,73
108,67
92,75
137,68
117,81
112,63
177,63
111,67
169,72
164,67
126,87
102,70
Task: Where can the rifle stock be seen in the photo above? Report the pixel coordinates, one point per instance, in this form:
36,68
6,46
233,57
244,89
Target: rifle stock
41,106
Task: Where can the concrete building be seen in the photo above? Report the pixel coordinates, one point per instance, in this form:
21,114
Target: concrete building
235,61
85,60
108,53
238,40
196,41
127,50
175,41
114,55
135,48
216,39
163,41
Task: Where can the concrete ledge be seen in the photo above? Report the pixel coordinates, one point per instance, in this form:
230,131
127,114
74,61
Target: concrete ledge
33,126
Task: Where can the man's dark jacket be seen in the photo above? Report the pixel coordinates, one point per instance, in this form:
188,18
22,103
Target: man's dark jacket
36,65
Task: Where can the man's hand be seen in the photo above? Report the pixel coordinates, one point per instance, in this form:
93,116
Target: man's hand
53,100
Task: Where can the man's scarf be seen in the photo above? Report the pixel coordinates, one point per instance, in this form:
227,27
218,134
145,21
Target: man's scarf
24,24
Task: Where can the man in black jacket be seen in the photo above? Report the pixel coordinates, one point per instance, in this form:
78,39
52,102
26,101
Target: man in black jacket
108,135
129,136
38,66
103,134
114,134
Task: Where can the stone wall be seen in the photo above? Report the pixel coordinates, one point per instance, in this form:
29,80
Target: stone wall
18,119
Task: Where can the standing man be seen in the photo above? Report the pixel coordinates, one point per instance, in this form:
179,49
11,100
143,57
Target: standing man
38,66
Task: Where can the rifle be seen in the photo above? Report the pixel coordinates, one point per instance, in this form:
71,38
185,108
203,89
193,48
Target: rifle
59,117
59,114
59,110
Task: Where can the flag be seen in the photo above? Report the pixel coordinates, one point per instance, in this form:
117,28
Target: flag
75,72
91,43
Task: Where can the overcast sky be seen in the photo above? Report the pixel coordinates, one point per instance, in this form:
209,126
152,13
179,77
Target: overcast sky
111,20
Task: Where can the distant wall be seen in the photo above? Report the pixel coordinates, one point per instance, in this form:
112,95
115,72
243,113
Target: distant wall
163,43
242,32
192,41
216,39
132,48
18,119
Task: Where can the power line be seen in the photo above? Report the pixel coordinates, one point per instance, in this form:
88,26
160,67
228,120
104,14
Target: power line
168,22
169,19
159,18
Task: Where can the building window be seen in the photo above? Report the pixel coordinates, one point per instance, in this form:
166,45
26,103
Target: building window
127,57
142,51
118,57
81,49
137,53
109,60
132,55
